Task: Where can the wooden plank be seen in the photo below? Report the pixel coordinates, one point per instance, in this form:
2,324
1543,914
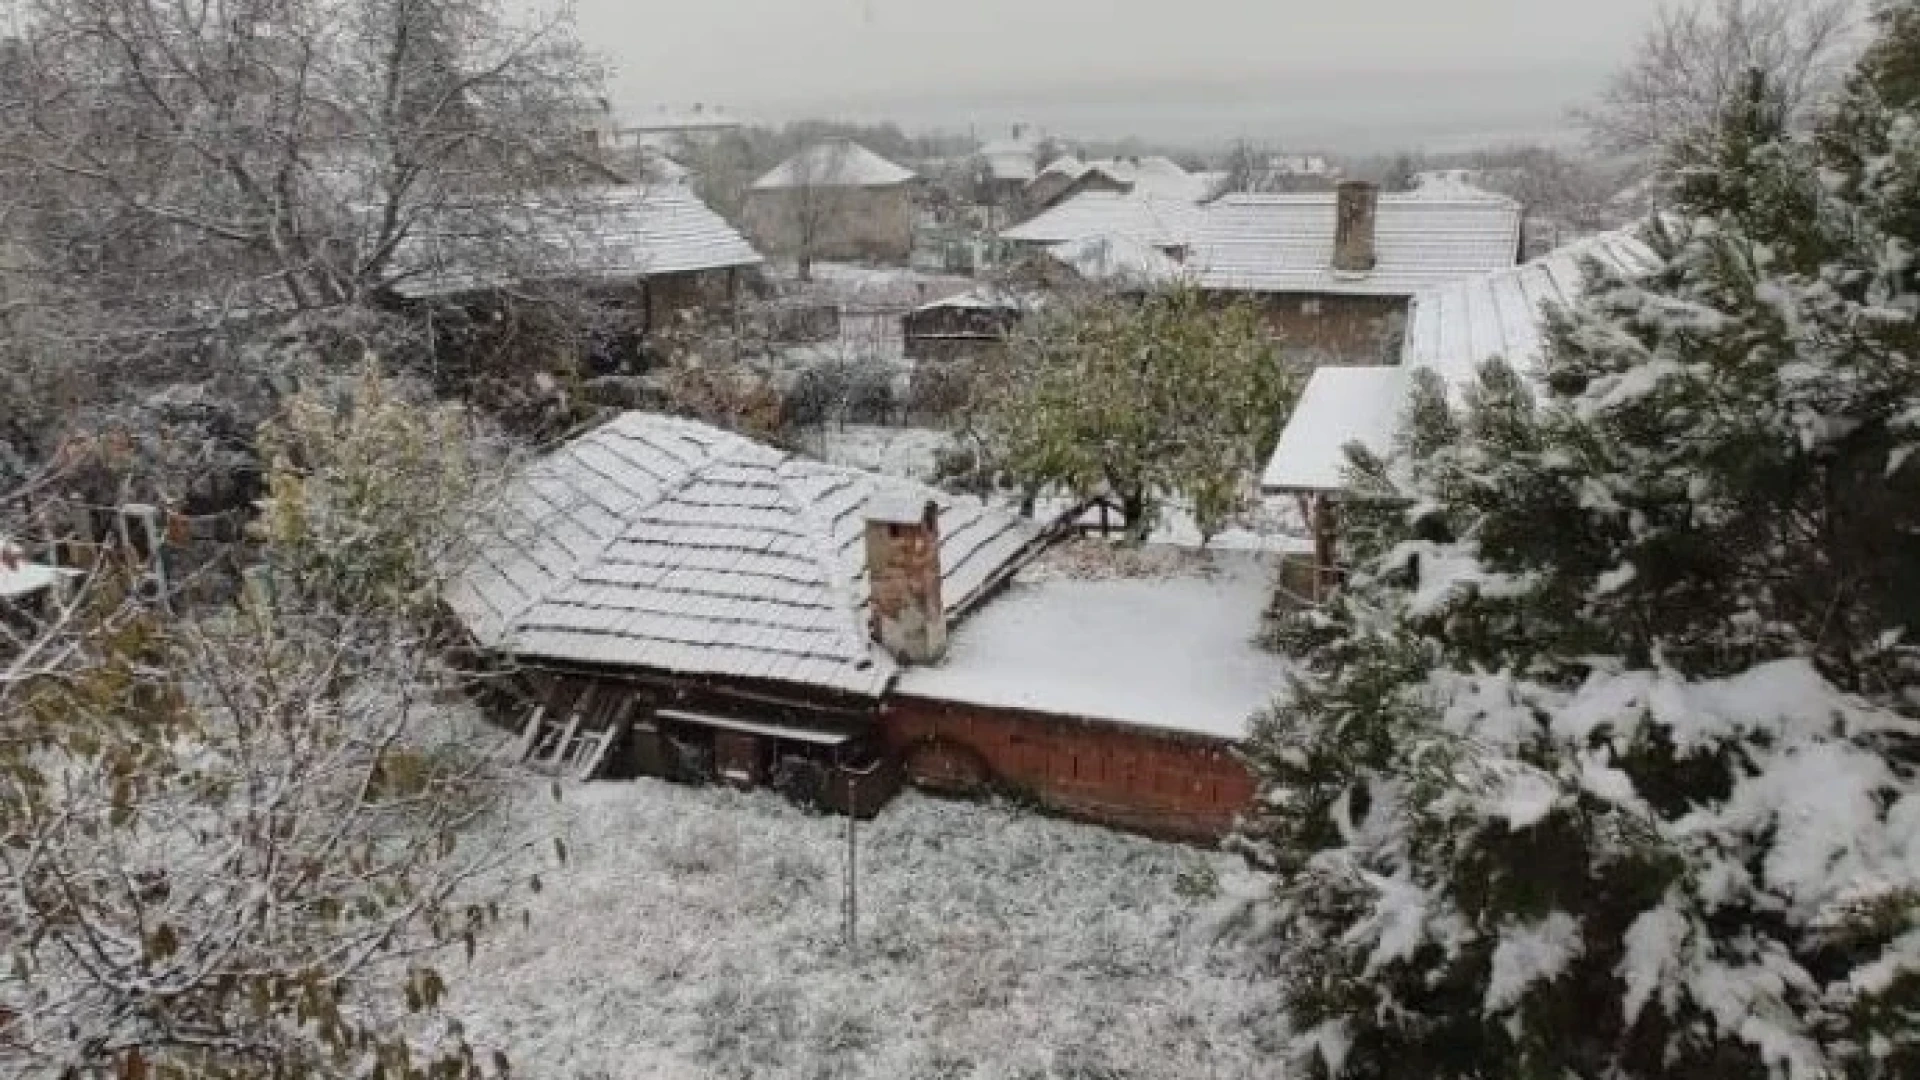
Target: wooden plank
530,733
559,752
590,763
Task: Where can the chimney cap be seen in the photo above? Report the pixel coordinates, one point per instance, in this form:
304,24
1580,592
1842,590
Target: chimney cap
901,507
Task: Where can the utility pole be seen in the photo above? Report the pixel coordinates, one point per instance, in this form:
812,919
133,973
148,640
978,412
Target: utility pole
853,886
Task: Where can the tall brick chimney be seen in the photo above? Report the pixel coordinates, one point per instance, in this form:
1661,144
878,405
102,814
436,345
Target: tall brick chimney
1356,208
905,613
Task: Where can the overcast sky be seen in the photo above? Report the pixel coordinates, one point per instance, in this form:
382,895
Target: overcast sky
1345,74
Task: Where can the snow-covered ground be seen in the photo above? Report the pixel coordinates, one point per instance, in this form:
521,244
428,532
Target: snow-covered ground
697,933
1172,644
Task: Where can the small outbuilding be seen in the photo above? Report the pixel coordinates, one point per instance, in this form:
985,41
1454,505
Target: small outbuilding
1451,331
656,247
1166,225
967,326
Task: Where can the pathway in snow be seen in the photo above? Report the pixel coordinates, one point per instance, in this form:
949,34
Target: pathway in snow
697,933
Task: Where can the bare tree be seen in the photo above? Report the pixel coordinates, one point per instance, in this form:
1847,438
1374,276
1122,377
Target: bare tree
206,157
236,841
1565,195
1697,56
803,206
814,203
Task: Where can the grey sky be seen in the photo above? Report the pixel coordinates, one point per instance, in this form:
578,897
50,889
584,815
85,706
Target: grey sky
1351,74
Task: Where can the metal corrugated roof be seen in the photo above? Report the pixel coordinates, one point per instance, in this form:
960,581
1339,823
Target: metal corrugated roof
834,163
1456,328
602,234
1452,330
657,542
1161,223
1284,243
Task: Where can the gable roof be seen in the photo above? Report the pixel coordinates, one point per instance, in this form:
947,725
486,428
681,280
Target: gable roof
1284,243
1452,331
833,163
602,234
660,543
1160,223
1155,176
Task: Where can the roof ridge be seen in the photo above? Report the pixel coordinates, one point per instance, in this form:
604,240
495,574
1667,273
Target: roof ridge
826,551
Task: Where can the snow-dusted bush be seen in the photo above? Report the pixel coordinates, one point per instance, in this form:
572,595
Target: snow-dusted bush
228,848
373,496
231,837
1607,767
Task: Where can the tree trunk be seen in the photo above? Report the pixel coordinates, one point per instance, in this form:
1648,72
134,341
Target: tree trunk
1139,513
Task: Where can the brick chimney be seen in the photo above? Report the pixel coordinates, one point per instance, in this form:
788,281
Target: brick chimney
905,612
1356,208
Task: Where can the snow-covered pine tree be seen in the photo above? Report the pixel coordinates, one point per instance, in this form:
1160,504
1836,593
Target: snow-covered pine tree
1607,763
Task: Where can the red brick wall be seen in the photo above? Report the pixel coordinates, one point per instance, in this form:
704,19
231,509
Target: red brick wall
1163,783
1335,329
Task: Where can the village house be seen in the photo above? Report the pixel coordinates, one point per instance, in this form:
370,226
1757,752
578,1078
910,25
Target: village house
1166,225
1154,176
966,326
1115,263
1004,167
656,247
685,602
1451,332
835,199
1334,272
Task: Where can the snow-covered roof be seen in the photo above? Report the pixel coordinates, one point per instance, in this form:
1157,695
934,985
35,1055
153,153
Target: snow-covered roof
658,166
1284,243
20,578
834,163
986,298
1155,177
1299,165
609,233
1455,328
1011,159
1065,165
1339,405
1160,223
1122,260
660,543
673,118
1452,331
1017,168
1175,652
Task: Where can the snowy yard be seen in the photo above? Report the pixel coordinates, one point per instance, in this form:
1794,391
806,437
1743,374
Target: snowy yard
697,933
